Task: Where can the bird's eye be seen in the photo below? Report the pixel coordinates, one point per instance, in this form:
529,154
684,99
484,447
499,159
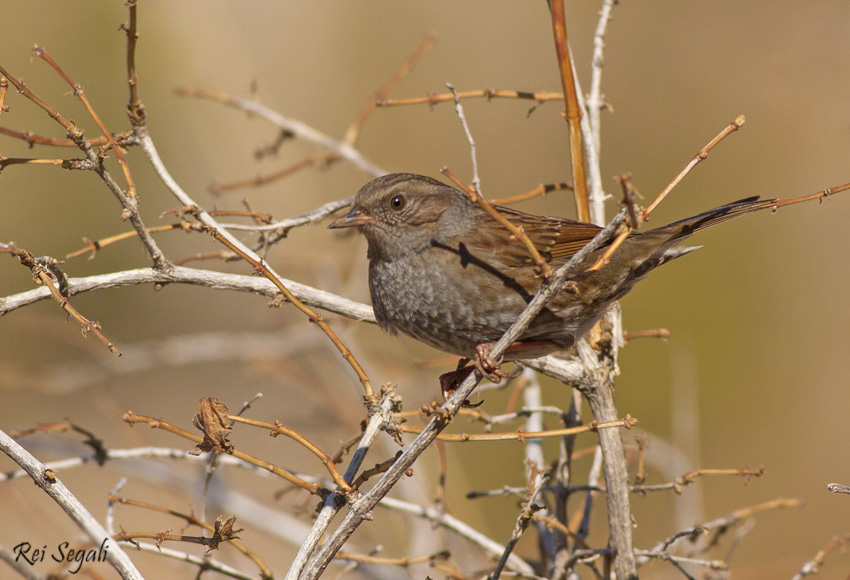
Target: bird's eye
398,202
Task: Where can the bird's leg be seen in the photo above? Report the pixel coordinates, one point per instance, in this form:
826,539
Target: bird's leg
530,348
449,382
486,365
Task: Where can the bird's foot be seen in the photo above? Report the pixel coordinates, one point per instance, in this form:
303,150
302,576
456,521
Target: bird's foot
485,364
449,382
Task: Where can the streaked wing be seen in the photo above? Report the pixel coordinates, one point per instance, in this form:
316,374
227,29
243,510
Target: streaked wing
555,238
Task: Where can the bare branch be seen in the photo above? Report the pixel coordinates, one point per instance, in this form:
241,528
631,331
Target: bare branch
299,129
183,275
50,484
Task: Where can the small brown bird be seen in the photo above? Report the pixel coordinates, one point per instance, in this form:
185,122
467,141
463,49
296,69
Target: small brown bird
445,272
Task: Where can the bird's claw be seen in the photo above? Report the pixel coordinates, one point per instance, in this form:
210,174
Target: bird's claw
449,382
486,365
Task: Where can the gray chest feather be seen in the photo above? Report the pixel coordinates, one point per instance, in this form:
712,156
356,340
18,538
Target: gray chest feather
444,312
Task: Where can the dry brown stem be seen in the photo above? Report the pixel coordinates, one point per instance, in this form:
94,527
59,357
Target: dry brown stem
94,161
81,94
33,139
815,564
661,333
321,159
353,131
312,315
63,163
132,418
4,86
488,94
223,533
700,156
628,199
573,111
718,526
541,190
94,245
627,422
690,477
135,108
278,429
45,272
191,520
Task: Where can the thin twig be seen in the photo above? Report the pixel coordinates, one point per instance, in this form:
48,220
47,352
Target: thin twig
595,98
4,86
283,227
261,267
130,204
626,422
263,223
299,129
403,562
63,163
135,108
427,44
540,190
80,93
676,560
700,156
192,521
476,179
516,231
32,139
488,94
380,419
524,518
690,477
439,517
815,564
719,525
45,272
95,245
159,423
278,429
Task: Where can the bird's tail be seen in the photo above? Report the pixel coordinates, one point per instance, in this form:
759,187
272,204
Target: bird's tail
686,227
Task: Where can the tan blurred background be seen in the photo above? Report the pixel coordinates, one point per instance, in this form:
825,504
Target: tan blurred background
755,373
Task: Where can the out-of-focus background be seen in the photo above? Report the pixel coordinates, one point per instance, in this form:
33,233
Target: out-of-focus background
756,370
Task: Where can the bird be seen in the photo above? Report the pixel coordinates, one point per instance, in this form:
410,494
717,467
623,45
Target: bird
445,272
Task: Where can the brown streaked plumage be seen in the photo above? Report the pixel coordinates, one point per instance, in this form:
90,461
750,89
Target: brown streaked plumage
444,272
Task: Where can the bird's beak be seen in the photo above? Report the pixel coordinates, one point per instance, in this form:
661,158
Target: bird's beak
353,219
